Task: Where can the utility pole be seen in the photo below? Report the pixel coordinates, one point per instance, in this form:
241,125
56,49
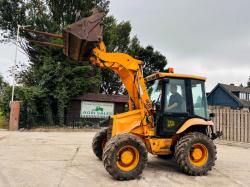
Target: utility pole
15,59
15,105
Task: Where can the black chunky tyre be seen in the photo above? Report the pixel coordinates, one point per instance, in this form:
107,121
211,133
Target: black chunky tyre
125,156
195,153
99,142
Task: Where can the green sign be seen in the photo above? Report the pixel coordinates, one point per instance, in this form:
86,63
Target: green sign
96,109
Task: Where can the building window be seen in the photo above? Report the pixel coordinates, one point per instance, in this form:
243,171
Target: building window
245,96
240,95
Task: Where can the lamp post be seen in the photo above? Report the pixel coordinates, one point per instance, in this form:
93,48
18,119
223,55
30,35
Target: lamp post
15,58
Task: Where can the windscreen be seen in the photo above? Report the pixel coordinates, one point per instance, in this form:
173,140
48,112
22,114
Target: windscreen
155,90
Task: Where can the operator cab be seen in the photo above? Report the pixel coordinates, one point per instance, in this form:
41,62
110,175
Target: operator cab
176,98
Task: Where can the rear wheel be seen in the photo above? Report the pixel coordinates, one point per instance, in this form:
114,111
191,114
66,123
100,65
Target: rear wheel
125,156
99,142
195,153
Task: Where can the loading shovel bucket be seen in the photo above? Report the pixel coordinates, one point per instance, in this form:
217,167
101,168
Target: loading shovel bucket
79,38
82,36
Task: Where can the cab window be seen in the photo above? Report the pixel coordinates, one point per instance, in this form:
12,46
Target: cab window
199,98
176,96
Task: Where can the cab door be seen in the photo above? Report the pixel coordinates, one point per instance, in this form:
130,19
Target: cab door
174,111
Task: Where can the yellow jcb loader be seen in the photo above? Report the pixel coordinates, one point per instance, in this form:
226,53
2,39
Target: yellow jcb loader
168,113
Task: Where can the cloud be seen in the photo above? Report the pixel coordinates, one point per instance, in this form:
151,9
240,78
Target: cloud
211,38
7,52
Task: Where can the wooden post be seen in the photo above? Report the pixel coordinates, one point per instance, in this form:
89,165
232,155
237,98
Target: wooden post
235,125
246,127
238,125
231,124
221,123
216,119
242,126
14,115
224,123
228,124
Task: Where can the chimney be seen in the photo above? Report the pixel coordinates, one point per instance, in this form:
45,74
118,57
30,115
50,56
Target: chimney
232,84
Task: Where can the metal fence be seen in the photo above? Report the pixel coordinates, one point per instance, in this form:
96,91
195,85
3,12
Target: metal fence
38,121
235,124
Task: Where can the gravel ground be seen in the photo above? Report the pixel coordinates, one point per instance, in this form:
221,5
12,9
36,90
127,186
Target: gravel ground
66,159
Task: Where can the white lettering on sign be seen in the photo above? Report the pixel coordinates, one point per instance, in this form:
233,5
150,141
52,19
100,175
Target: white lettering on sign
91,109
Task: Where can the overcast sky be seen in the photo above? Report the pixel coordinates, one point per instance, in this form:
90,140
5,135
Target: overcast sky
204,37
210,38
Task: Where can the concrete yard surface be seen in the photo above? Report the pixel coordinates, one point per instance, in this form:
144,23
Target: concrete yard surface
65,159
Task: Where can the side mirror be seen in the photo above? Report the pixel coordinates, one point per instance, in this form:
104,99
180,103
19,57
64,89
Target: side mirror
212,115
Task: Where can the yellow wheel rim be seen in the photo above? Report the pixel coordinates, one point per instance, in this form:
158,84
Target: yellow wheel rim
128,158
198,155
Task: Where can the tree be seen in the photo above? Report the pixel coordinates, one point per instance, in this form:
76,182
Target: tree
248,83
2,84
153,60
117,38
55,76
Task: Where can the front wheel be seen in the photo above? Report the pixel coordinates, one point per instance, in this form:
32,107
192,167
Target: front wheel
195,153
125,156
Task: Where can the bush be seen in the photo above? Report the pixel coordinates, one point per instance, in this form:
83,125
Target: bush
29,97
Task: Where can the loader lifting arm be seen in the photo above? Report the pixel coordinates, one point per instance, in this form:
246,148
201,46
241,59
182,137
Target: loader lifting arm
130,72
